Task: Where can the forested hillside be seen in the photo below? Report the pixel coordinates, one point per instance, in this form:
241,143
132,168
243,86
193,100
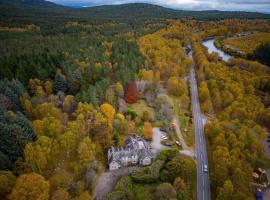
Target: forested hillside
51,16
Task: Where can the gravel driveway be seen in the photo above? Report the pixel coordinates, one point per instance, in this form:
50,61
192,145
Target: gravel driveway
156,142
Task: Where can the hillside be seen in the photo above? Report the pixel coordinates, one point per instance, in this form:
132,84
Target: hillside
47,14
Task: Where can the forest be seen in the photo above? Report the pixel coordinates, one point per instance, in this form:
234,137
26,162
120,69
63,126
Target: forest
73,87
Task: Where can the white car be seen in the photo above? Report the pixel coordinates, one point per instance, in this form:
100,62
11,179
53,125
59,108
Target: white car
164,137
205,168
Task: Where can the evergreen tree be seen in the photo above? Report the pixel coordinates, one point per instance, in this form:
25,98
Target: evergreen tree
60,83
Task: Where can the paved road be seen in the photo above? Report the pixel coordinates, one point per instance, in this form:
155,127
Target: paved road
203,183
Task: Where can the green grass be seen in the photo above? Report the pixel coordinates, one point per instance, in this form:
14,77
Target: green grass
186,127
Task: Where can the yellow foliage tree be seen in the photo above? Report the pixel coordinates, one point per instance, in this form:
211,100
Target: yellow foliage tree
109,112
31,187
86,151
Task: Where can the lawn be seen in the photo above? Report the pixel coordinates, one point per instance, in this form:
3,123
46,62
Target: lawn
140,107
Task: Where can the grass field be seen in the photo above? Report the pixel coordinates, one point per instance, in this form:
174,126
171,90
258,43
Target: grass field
140,107
186,126
247,44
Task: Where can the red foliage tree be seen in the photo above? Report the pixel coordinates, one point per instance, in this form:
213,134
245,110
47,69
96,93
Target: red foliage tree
131,94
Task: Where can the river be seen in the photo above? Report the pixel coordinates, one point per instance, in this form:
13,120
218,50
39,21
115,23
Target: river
209,44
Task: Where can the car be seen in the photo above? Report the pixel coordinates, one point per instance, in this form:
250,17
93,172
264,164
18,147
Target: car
167,144
205,168
268,140
163,129
164,137
178,143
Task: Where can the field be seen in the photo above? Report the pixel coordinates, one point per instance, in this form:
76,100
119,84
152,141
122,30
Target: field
140,107
247,44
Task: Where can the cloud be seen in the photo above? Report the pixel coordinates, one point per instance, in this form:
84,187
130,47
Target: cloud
241,5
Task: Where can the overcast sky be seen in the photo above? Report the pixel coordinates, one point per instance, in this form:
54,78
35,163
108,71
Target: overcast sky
246,5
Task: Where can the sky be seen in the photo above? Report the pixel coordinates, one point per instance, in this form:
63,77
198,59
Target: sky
234,5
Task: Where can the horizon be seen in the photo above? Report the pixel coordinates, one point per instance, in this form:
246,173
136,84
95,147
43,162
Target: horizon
262,6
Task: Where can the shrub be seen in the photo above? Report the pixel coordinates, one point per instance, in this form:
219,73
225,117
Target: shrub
131,113
165,191
148,174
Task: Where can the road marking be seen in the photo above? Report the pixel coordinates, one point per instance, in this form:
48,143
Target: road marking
201,156
203,181
203,194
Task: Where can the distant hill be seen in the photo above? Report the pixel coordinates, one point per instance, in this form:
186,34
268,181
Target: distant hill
143,10
38,3
47,14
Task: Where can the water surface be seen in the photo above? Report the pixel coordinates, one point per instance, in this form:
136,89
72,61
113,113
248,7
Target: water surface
212,49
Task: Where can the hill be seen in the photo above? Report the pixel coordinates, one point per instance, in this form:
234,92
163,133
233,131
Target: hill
52,16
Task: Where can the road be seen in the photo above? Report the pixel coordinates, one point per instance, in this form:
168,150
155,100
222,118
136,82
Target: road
203,183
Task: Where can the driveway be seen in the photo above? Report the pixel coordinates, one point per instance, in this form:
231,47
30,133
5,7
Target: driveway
156,142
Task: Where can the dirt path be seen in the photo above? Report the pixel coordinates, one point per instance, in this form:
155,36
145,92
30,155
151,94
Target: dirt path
179,133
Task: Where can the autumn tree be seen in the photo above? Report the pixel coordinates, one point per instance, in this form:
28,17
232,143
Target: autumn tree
147,131
176,87
30,186
61,193
131,95
86,151
7,182
165,191
109,112
69,104
226,192
40,154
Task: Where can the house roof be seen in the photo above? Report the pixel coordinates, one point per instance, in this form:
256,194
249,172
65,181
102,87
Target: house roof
134,146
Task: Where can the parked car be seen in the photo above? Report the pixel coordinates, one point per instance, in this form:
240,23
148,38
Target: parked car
268,140
178,143
163,130
168,144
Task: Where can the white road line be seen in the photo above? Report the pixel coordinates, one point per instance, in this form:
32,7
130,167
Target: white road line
203,194
203,181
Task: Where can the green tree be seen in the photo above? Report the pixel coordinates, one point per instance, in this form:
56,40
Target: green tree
60,83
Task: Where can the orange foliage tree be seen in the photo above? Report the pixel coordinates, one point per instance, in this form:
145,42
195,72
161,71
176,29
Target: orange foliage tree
147,131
